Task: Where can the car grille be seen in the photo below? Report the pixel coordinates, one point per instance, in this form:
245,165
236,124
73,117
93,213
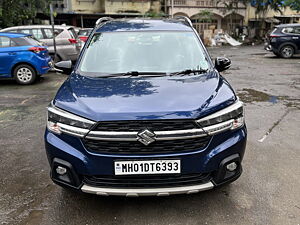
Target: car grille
154,125
147,181
135,147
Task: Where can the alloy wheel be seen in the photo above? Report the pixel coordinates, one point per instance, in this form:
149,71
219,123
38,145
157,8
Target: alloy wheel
24,74
287,52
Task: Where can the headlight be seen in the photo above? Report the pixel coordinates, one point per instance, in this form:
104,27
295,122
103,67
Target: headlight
231,117
60,121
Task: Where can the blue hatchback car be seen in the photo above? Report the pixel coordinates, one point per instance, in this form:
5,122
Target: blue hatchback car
145,112
22,58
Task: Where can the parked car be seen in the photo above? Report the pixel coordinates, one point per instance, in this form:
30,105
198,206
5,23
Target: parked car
22,58
84,33
68,45
145,112
284,40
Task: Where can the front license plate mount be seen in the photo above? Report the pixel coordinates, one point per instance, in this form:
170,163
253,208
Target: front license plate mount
144,167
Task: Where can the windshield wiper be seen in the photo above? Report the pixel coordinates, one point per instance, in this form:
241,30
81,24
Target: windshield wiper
136,74
188,71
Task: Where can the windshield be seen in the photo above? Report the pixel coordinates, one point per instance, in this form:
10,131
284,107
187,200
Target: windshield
121,52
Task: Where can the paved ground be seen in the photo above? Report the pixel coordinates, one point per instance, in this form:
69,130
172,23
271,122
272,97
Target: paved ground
267,193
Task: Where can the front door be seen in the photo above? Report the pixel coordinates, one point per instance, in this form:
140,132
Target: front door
297,37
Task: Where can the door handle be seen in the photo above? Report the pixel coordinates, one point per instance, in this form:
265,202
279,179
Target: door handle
12,53
295,37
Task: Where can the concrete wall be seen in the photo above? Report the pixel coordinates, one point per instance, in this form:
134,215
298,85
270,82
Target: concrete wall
87,6
117,6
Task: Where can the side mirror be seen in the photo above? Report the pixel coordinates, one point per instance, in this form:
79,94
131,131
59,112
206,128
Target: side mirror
222,63
64,66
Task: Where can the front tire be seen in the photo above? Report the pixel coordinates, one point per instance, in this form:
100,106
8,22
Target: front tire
287,51
25,74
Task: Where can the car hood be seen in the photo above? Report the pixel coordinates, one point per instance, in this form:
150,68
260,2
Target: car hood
178,97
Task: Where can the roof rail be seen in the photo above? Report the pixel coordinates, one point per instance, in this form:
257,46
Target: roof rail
185,19
103,19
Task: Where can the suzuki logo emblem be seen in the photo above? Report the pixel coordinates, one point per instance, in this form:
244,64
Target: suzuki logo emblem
146,137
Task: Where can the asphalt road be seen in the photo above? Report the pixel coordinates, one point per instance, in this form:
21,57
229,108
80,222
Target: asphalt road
268,192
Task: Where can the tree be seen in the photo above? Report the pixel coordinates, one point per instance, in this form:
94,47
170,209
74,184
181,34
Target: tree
230,6
261,9
262,6
293,4
205,16
14,12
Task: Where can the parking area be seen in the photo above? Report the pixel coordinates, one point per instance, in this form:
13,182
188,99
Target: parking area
267,193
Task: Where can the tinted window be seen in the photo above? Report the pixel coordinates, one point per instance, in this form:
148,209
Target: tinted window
37,33
297,30
49,34
13,31
72,33
84,32
120,52
5,42
291,30
24,41
25,31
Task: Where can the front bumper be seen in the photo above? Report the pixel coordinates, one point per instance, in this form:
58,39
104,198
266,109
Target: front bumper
267,47
70,153
136,192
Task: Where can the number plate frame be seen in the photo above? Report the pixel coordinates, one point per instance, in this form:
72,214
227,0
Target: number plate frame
147,167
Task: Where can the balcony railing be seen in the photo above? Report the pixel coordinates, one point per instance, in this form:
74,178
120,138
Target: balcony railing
200,3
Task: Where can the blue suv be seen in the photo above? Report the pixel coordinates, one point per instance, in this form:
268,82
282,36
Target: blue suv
22,58
284,40
145,112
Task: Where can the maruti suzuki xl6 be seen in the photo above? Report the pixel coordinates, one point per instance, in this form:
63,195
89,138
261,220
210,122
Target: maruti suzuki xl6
145,112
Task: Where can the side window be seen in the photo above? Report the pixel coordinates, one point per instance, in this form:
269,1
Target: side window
37,33
58,31
48,33
297,30
288,30
4,42
72,33
13,31
25,31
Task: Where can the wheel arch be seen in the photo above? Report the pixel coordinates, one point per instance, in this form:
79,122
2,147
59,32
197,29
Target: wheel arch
288,43
26,63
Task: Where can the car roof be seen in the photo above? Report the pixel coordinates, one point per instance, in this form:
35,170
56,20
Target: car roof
37,26
143,24
13,35
289,25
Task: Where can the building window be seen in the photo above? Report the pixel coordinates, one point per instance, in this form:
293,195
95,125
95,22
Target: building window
179,2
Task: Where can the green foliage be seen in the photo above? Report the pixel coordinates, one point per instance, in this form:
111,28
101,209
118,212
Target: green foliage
205,16
14,12
293,4
262,6
154,14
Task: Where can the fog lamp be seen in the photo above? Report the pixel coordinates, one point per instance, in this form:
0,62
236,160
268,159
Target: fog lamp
231,166
61,170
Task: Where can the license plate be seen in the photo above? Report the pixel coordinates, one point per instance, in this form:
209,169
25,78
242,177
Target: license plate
147,167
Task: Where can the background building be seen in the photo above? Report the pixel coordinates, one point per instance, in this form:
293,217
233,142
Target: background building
84,13
221,16
260,24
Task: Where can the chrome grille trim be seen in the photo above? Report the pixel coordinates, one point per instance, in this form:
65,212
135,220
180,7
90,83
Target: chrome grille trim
132,136
159,135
